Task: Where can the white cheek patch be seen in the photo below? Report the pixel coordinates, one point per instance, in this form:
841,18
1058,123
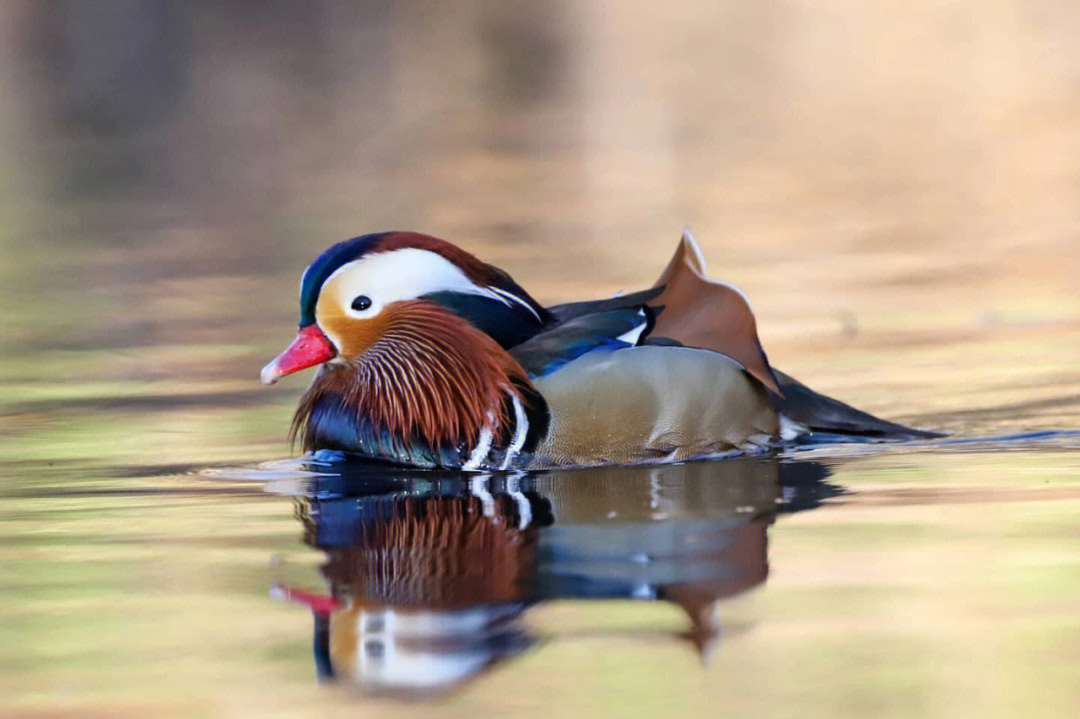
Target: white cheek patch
405,274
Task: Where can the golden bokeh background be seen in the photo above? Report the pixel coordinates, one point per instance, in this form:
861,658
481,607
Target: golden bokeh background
895,185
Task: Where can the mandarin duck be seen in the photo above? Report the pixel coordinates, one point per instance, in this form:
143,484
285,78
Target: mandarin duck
430,357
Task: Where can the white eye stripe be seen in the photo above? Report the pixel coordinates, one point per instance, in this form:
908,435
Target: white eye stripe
521,431
405,274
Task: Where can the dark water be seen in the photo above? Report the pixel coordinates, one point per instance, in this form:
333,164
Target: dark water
894,187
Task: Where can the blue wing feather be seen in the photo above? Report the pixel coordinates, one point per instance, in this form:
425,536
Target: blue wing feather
602,331
572,310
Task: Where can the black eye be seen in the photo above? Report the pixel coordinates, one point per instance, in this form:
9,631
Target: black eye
361,303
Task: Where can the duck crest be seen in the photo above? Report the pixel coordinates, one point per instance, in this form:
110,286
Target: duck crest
430,379
497,282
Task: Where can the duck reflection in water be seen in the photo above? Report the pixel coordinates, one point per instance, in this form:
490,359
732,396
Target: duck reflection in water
430,574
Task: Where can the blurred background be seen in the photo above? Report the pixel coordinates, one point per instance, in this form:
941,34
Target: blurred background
895,185
875,179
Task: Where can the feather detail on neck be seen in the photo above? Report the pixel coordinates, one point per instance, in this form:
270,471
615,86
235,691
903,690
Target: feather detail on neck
429,376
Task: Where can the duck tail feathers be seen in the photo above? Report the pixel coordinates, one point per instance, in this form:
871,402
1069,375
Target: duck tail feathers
819,413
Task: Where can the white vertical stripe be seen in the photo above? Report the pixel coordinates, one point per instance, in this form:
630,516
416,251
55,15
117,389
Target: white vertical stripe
521,431
513,488
478,487
483,446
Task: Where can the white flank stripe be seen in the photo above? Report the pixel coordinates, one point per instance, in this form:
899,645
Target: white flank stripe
521,430
476,458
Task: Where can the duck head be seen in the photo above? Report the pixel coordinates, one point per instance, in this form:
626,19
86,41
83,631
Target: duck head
410,333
